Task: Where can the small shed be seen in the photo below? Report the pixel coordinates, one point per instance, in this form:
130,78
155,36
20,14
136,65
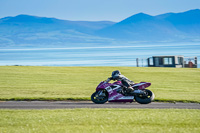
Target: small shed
172,61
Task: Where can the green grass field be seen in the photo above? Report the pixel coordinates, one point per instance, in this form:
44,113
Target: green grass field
61,83
100,120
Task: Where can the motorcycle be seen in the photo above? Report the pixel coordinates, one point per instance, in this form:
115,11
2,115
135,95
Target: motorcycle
116,92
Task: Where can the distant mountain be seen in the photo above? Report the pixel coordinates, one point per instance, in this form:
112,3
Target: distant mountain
187,22
36,31
26,20
26,30
165,27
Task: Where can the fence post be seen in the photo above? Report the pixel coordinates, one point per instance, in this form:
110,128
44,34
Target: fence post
195,60
142,63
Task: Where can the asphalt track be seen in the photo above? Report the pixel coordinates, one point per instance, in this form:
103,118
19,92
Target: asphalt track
89,104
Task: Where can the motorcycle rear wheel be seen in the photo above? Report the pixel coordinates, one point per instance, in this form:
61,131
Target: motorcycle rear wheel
99,99
145,99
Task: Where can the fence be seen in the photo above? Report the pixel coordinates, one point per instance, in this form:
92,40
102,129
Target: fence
190,62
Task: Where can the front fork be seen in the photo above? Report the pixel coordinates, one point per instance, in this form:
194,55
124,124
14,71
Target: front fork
101,93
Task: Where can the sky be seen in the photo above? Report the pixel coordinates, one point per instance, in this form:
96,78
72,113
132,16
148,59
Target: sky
93,10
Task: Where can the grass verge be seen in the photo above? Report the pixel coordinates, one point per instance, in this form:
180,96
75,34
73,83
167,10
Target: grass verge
78,83
101,120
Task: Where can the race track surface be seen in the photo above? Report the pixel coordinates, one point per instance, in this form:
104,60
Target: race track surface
89,104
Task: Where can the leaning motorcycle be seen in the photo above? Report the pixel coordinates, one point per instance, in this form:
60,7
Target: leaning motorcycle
116,92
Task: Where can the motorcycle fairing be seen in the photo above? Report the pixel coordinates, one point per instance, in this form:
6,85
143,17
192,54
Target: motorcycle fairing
114,96
141,85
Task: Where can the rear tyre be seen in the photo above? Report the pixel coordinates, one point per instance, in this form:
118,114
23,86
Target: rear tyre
99,99
146,98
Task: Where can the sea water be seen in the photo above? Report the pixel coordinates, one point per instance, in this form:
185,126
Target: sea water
120,55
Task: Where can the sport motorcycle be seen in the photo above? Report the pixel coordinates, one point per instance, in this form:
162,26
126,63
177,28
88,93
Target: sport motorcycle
116,92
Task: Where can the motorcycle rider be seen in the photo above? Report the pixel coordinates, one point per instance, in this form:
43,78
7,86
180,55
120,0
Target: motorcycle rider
116,75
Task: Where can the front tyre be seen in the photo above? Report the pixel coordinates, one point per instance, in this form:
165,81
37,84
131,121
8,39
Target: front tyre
145,98
99,97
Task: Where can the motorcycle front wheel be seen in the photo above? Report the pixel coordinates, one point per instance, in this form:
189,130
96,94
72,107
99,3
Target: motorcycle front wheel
145,98
99,99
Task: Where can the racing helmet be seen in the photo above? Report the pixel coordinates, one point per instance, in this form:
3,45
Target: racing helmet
115,74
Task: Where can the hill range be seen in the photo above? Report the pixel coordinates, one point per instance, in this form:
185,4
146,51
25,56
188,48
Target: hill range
26,30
